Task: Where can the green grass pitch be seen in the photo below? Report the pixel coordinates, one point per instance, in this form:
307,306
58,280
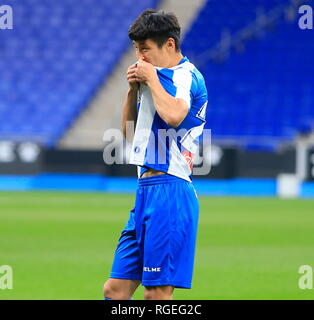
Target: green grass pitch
61,245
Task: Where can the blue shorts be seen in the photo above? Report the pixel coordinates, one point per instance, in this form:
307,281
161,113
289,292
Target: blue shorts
157,245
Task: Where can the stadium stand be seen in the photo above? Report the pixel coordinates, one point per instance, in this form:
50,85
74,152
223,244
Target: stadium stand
104,110
258,96
55,58
261,92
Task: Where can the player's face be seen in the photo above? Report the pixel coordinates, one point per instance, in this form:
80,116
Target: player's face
150,52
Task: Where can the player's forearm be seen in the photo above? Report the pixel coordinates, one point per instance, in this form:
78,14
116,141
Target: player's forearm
172,110
129,112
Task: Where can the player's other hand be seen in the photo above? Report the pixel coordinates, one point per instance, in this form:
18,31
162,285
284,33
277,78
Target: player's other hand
131,77
145,72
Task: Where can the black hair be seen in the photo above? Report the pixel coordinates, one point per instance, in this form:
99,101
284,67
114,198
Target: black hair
156,25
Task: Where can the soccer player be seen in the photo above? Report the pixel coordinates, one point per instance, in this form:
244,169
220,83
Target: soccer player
166,95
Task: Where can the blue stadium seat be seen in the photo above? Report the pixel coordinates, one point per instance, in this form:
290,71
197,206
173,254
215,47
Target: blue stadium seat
55,58
265,92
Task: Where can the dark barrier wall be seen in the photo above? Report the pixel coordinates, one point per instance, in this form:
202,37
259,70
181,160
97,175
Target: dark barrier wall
29,158
311,165
74,161
261,164
20,158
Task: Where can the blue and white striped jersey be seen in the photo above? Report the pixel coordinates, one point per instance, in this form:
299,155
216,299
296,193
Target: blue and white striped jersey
159,146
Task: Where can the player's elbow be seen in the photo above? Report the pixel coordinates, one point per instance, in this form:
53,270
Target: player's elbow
176,118
127,132
174,122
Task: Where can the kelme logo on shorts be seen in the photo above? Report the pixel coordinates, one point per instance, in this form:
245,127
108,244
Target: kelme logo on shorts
151,269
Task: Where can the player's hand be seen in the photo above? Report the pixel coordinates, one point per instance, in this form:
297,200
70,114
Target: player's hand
145,72
131,77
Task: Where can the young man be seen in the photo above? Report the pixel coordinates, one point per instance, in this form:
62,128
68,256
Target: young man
166,96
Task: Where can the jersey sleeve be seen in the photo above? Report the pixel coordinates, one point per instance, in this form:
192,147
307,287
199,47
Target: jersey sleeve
183,81
195,120
199,97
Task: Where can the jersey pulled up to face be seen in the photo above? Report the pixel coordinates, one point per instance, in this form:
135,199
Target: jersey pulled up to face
159,146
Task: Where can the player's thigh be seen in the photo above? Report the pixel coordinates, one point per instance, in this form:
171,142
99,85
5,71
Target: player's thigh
158,292
127,262
170,237
120,288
